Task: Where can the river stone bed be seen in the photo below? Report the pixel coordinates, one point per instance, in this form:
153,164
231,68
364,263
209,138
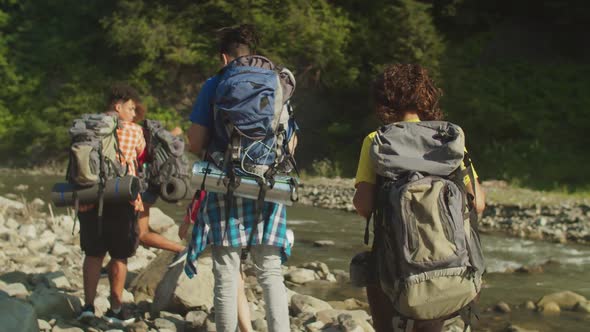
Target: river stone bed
41,283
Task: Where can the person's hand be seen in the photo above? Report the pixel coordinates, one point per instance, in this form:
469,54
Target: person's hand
183,230
177,131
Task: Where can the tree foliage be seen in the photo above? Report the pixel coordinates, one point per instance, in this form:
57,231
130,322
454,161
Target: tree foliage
512,72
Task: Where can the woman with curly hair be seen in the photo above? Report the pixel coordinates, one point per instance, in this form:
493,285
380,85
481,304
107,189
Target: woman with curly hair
402,93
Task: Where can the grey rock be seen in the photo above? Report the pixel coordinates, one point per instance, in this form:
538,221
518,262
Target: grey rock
323,243
6,203
305,303
582,307
57,280
502,307
515,328
28,231
530,305
550,308
260,325
163,323
196,319
44,326
176,292
60,250
51,302
300,276
63,327
17,315
17,290
565,300
139,326
159,221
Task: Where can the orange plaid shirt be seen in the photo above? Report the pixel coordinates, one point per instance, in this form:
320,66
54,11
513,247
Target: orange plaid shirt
131,144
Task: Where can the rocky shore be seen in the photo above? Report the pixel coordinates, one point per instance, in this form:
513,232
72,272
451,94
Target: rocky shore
41,283
517,212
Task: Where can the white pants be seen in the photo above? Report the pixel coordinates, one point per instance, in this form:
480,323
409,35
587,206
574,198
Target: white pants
226,269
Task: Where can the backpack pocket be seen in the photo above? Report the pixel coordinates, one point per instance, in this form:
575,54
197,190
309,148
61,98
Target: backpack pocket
436,294
431,215
85,163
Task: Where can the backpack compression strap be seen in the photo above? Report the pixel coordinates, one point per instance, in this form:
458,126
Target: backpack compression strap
469,170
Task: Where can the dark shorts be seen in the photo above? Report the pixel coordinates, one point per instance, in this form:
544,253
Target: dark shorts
150,196
119,236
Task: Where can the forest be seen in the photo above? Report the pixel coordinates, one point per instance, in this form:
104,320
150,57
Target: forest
515,74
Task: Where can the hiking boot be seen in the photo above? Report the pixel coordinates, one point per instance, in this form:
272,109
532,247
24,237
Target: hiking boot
87,313
123,317
178,258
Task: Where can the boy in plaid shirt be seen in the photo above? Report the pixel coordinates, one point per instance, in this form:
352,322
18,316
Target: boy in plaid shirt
119,236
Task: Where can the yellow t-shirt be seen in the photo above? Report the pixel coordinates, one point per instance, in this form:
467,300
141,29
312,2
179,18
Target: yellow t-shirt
365,171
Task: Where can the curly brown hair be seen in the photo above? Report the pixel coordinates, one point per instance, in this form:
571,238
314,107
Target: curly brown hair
406,87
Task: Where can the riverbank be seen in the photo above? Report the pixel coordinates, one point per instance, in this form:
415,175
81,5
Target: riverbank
524,213
41,285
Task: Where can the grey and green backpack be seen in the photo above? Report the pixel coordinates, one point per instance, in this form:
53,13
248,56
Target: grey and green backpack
427,247
167,169
95,156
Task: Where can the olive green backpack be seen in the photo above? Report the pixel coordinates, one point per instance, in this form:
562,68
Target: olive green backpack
427,246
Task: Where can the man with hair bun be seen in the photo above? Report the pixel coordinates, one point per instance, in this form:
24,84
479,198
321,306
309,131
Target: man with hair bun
224,233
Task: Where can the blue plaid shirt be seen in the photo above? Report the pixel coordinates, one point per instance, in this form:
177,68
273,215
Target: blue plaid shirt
211,227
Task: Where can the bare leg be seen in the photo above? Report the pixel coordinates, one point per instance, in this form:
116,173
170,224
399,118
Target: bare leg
117,275
91,275
244,319
381,308
152,239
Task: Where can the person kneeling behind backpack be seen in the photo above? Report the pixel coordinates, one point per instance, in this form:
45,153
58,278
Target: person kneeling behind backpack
417,181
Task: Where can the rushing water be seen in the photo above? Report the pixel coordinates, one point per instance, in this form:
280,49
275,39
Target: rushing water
346,229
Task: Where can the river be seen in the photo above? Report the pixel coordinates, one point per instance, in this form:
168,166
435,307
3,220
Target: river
571,272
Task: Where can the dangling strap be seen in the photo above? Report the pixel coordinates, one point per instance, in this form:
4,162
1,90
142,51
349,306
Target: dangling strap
101,185
367,235
402,324
469,169
468,312
259,209
76,209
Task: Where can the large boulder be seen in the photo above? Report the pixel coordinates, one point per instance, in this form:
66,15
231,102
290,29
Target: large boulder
307,304
566,300
17,315
176,292
300,276
171,289
49,303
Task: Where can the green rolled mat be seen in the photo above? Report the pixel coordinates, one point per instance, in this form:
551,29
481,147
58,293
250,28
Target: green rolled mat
116,190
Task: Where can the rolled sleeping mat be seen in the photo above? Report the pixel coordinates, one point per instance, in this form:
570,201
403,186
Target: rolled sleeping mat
284,190
174,190
116,190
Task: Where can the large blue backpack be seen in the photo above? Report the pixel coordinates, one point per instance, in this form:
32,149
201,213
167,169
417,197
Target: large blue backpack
253,120
253,125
